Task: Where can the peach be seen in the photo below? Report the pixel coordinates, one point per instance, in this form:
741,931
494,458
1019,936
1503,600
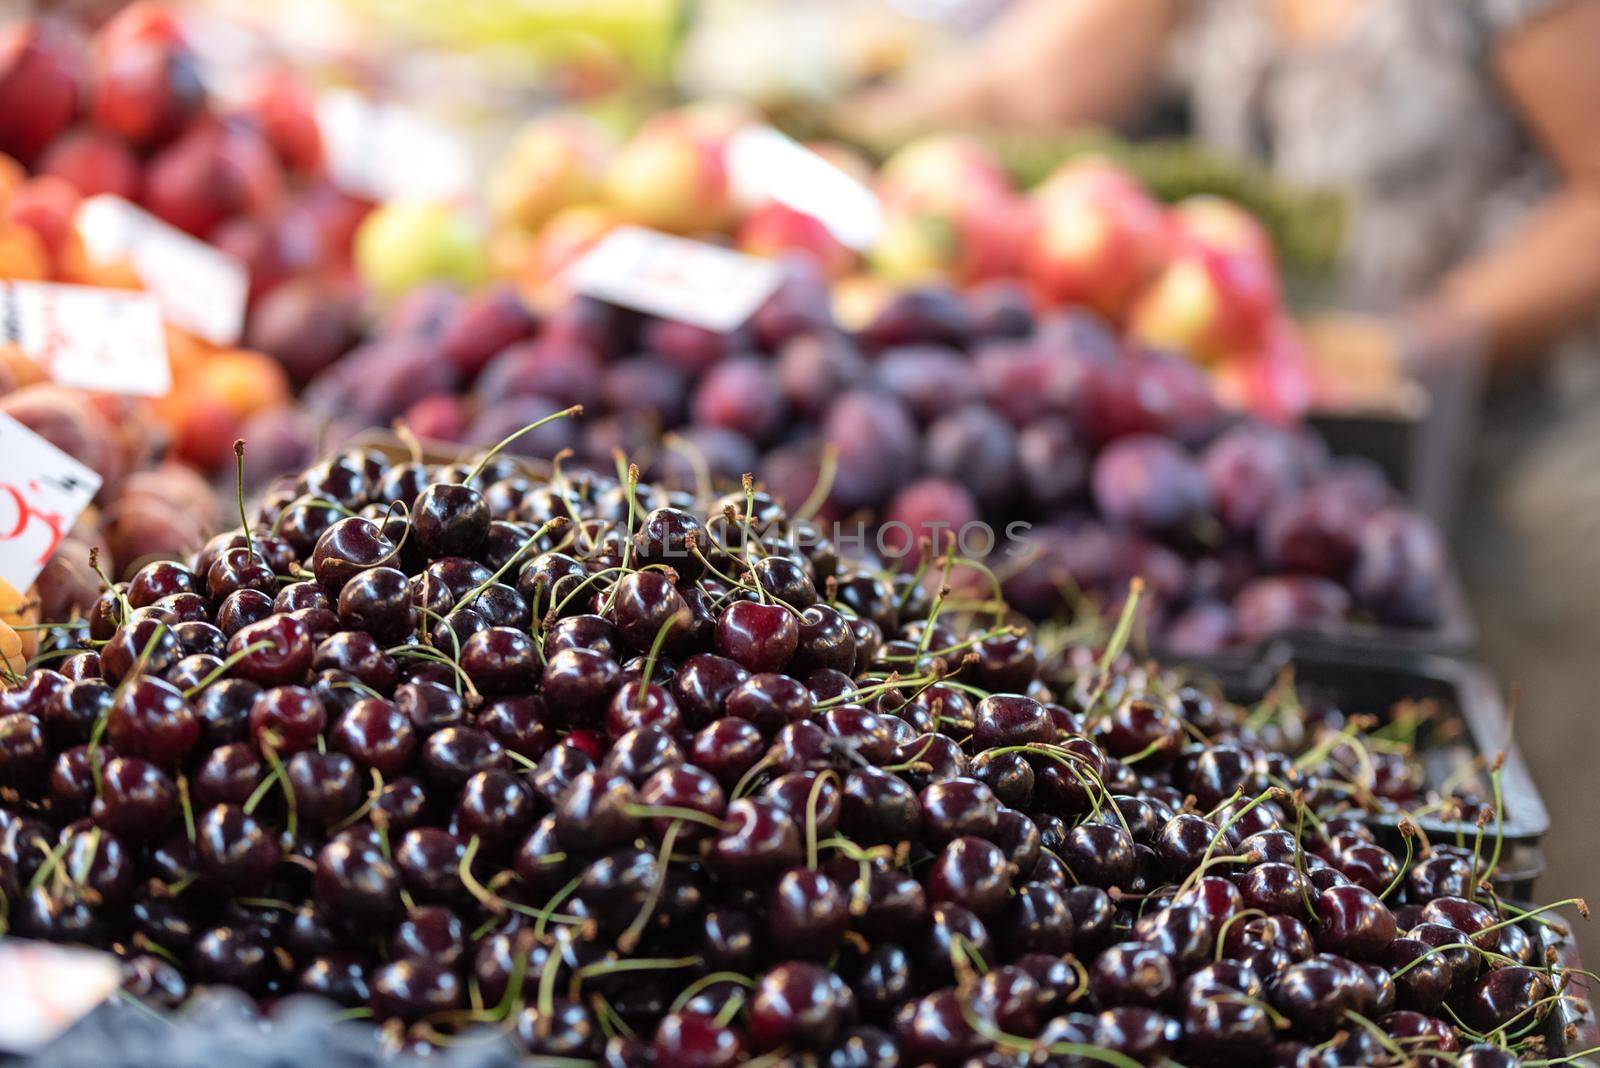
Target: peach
145,81
774,228
94,162
1207,303
307,323
204,428
553,163
46,205
214,171
13,655
38,87
244,382
568,235
23,256
18,610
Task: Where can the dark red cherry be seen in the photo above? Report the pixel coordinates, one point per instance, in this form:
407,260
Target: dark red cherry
233,850
274,652
758,637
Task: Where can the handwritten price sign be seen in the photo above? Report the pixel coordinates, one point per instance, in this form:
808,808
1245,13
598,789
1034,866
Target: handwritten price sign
45,989
199,288
105,340
42,492
690,281
764,164
383,151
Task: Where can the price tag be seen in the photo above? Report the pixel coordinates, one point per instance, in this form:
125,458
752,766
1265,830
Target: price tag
42,492
201,289
46,988
764,164
102,340
690,281
384,151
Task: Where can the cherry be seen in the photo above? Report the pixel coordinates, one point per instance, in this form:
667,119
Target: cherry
759,637
428,861
499,660
233,850
377,735
274,652
762,840
286,719
1353,922
378,601
1313,994
578,683
449,519
137,800
1140,1033
1501,996
798,1005
326,787
430,706
1099,855
451,756
1132,973
357,884
593,815
695,1040
972,873
411,988
348,548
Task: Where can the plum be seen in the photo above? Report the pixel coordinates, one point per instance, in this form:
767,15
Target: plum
1000,309
1151,484
931,512
1026,380
692,349
441,417
306,323
877,447
1276,603
38,87
1149,393
977,448
423,313
561,371
1205,628
1052,463
1317,530
506,417
815,368
604,329
925,315
274,247
1400,569
930,379
789,473
1249,468
801,305
483,326
649,387
723,456
214,171
742,394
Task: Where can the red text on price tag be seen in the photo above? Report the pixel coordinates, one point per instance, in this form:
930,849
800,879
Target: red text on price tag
87,337
42,492
689,281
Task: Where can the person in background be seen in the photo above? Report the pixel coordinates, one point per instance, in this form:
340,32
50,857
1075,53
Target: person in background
1466,135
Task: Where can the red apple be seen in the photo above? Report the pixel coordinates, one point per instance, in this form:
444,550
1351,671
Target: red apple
1207,303
1099,238
963,242
1220,224
774,228
941,171
672,176
553,163
283,107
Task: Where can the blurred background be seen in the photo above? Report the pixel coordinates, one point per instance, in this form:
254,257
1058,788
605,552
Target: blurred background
1317,279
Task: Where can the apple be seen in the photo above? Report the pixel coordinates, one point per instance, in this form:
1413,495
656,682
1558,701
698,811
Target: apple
406,242
38,88
1099,238
1220,224
553,163
282,106
774,228
940,171
568,235
1277,382
1207,303
673,174
963,242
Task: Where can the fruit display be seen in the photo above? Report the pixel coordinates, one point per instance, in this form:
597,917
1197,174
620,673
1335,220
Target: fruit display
1198,278
638,779
1068,458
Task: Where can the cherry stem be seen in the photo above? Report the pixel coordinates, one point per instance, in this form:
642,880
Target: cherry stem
238,487
483,461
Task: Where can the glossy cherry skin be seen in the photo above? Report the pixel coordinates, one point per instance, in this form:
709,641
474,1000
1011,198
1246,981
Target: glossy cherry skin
283,656
758,637
799,1005
1354,923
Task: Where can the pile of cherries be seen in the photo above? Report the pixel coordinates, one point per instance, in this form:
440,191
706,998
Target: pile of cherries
640,780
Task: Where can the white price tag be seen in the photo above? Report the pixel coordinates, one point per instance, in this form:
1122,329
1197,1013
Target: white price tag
87,337
45,989
42,492
764,164
384,151
690,281
201,289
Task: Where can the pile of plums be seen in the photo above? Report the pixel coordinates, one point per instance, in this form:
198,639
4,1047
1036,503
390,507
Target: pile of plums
641,779
1072,459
